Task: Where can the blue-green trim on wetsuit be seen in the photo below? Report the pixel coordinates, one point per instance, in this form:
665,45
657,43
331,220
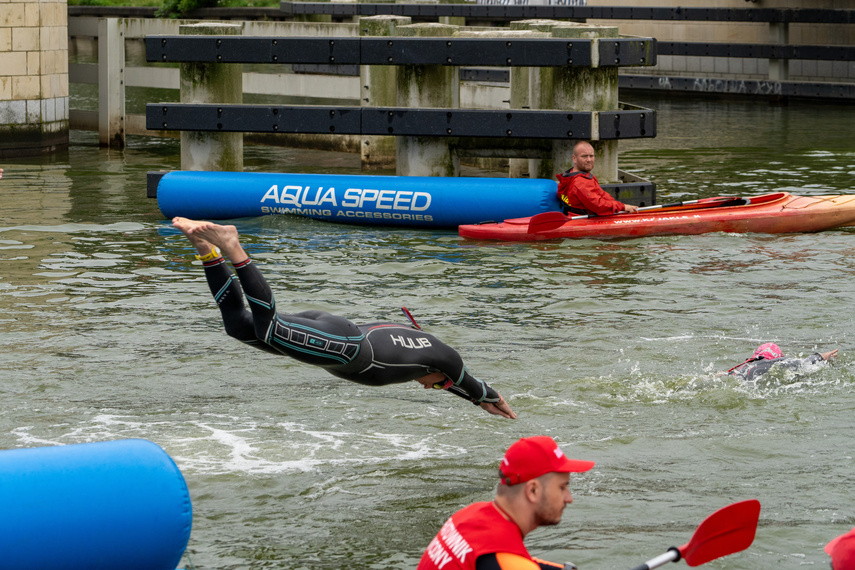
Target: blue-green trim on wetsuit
373,354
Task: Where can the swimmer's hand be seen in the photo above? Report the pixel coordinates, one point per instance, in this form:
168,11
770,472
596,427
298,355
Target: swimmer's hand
500,408
829,355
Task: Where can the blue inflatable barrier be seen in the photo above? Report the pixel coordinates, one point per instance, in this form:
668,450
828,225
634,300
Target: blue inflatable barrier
375,200
110,505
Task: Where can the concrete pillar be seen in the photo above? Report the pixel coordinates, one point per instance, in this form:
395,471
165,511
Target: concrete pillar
211,83
379,89
593,89
33,77
531,88
111,82
427,86
779,33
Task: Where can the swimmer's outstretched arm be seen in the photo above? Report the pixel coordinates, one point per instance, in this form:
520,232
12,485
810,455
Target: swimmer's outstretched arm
500,408
829,355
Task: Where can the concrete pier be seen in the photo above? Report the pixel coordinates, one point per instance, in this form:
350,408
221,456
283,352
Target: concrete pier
427,86
568,88
531,88
111,82
33,77
379,88
592,88
211,83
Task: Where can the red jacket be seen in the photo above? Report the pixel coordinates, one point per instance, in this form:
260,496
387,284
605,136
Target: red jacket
471,532
580,193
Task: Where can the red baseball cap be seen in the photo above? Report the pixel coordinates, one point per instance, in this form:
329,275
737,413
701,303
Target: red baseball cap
531,457
842,551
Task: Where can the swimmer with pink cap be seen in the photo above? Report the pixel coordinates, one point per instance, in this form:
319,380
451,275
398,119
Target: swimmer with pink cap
770,354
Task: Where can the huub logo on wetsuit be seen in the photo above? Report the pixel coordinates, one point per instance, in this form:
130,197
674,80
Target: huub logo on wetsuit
410,342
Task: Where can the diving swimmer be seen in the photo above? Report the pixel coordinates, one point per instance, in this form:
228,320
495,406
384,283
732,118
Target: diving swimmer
374,354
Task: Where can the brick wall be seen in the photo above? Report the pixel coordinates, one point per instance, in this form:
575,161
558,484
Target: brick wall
33,76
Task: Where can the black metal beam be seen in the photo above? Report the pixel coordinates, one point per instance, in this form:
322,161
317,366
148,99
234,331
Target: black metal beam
502,52
490,74
712,86
238,49
627,124
766,51
505,13
508,124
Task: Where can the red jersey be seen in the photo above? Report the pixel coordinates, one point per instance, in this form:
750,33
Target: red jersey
471,532
580,192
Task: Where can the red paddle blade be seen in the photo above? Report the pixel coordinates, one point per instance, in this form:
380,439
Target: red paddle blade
546,221
728,530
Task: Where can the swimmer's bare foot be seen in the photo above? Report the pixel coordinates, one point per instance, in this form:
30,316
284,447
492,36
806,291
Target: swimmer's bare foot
203,246
203,235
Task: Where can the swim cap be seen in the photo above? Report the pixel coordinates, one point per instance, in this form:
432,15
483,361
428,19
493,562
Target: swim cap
768,351
842,551
531,457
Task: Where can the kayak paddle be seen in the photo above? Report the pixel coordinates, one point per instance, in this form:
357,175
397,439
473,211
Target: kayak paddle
728,530
703,202
552,220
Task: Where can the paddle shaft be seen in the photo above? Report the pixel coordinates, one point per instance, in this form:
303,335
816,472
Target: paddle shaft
661,206
673,555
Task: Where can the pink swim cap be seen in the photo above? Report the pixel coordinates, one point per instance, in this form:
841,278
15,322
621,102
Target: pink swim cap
768,351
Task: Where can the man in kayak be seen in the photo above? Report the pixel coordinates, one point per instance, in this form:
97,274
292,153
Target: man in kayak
579,191
373,354
769,355
842,551
533,478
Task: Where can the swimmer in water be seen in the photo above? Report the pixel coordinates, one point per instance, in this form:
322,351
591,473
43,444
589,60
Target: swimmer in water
373,354
770,355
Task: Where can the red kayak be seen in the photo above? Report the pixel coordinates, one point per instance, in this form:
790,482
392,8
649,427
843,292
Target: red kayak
776,213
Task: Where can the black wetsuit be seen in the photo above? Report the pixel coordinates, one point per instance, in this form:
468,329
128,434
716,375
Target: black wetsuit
375,354
753,369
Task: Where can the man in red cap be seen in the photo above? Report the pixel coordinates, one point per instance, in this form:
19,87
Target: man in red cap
532,492
842,551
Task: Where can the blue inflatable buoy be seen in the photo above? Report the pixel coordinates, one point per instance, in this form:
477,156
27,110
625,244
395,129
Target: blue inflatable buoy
420,201
108,505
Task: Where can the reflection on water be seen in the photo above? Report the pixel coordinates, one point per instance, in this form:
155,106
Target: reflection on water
612,347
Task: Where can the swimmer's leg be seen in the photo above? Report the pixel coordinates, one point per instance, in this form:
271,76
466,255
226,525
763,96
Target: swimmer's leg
229,297
222,283
255,287
260,298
